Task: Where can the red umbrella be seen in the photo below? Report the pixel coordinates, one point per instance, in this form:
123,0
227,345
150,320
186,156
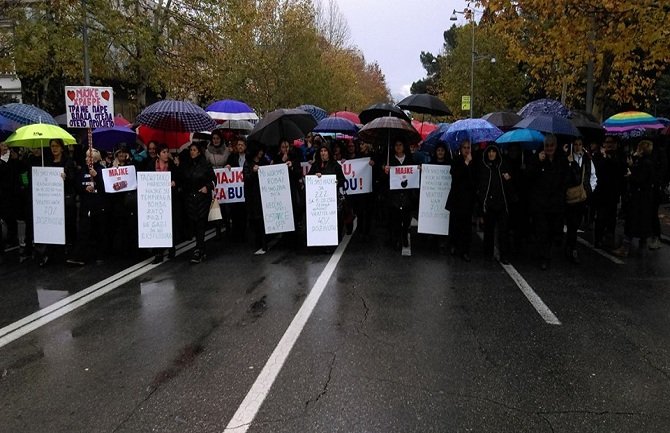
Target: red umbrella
119,120
173,139
424,128
347,115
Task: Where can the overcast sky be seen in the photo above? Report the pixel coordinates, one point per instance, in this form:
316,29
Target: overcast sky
394,32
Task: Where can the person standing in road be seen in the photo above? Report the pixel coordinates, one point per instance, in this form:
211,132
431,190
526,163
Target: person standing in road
238,212
401,202
164,163
610,170
252,196
217,155
10,184
461,201
325,163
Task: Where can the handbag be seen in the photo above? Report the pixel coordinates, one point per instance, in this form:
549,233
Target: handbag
576,194
214,211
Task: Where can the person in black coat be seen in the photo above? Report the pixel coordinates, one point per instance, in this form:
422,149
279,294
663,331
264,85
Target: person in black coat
610,170
10,185
198,180
547,175
290,156
461,201
164,162
325,163
494,191
581,172
401,202
238,211
252,195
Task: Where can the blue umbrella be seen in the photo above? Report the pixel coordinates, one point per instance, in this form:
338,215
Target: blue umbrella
435,137
107,139
475,130
179,116
528,138
547,107
336,124
25,114
318,112
231,109
7,127
549,124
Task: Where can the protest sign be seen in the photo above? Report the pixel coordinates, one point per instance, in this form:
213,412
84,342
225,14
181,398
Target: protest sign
89,107
119,179
404,177
321,201
48,205
358,176
276,198
435,187
154,209
229,185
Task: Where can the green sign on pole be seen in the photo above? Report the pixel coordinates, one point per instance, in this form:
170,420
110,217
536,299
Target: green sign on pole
465,102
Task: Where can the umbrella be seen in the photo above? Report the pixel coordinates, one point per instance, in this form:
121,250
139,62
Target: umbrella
547,107
475,130
629,120
504,120
386,129
108,139
337,125
347,115
425,104
529,138
318,112
435,137
231,109
424,128
119,120
549,124
280,124
381,110
25,114
61,119
179,116
589,128
7,127
173,139
38,135
237,125
663,120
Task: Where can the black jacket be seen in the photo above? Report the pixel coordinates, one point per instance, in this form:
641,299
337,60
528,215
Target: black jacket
406,199
493,191
197,173
463,193
548,182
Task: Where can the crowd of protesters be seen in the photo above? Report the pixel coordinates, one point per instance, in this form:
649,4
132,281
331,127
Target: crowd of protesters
523,200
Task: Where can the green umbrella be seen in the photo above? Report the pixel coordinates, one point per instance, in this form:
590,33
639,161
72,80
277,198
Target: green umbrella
38,135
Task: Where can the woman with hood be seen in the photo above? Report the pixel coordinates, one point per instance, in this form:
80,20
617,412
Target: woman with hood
252,195
401,202
494,193
325,163
461,201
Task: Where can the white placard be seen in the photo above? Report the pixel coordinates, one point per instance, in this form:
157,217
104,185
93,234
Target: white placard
358,176
276,198
435,187
321,201
119,179
154,209
404,177
89,107
48,205
229,185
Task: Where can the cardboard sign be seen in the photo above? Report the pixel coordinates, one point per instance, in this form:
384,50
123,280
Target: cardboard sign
48,205
276,198
154,209
435,187
119,179
321,201
404,177
358,176
229,185
89,107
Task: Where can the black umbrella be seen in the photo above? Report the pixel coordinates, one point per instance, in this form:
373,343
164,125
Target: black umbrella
380,110
588,126
504,120
550,124
386,129
425,104
289,124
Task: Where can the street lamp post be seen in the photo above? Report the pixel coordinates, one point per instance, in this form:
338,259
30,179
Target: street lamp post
470,15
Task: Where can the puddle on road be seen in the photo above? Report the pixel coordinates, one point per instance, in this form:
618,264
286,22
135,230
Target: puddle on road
258,308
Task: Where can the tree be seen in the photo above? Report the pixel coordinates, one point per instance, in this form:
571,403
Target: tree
556,40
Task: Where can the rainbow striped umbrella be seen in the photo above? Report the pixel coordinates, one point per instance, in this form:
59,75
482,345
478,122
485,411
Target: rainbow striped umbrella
630,120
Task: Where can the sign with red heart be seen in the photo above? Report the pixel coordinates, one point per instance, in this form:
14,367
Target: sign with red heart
89,107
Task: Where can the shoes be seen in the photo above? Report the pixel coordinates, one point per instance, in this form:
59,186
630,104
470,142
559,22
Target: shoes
622,251
171,253
75,262
198,257
405,241
43,261
654,244
157,259
260,252
466,257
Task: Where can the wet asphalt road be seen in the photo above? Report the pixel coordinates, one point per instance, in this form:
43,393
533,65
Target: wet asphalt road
421,344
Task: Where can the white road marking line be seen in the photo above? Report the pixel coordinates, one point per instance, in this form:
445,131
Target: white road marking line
39,318
527,290
247,411
530,294
600,251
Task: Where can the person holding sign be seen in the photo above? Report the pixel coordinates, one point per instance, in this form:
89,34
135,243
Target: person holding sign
198,181
326,164
402,202
289,156
165,163
252,196
461,201
238,211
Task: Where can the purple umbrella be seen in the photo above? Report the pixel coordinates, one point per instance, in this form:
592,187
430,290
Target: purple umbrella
231,109
107,139
337,125
545,107
549,124
25,114
475,130
318,112
178,116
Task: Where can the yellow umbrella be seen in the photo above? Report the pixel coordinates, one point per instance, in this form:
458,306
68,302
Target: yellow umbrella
38,135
